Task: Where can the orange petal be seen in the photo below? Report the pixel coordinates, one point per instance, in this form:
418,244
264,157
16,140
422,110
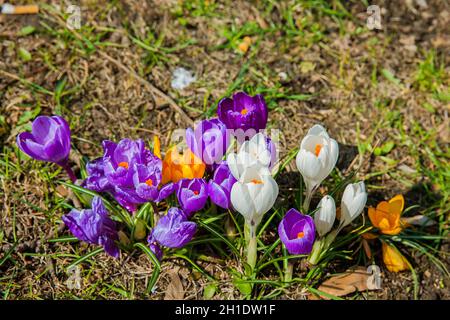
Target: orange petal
374,216
393,259
383,207
369,236
156,147
396,205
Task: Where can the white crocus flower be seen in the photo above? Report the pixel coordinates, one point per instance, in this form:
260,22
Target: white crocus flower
252,153
253,195
316,159
353,202
325,215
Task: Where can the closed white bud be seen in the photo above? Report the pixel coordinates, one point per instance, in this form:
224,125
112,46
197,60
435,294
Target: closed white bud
325,215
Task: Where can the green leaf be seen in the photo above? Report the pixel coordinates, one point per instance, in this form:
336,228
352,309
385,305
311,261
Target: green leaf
244,287
29,115
209,291
27,30
24,54
219,235
390,76
85,257
156,264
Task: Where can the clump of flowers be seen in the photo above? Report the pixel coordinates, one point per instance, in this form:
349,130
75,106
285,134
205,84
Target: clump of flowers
226,166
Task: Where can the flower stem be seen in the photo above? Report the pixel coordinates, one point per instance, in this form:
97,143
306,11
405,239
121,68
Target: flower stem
307,200
251,252
69,172
289,268
251,242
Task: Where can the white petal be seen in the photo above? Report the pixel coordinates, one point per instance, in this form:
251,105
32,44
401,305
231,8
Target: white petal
325,216
317,130
232,164
241,201
308,165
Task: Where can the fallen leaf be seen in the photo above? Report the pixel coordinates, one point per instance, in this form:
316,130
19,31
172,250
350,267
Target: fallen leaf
354,279
62,191
175,290
419,220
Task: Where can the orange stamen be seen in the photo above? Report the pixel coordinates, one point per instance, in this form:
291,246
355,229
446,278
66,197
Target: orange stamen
317,149
244,111
300,235
123,164
256,181
149,182
196,192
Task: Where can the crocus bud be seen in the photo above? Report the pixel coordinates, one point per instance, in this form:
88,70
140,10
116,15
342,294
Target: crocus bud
317,156
393,259
49,140
325,215
253,195
353,202
139,230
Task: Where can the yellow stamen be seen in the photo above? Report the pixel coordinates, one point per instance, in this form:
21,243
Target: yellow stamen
256,181
123,164
149,182
244,111
317,149
300,235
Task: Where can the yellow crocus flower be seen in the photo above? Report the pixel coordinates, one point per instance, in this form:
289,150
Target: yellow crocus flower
386,217
393,259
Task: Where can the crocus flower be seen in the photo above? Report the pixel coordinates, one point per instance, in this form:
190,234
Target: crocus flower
386,217
243,112
254,152
173,231
353,202
192,194
253,195
297,232
129,171
178,166
49,140
325,215
316,159
393,259
94,226
219,187
96,179
208,140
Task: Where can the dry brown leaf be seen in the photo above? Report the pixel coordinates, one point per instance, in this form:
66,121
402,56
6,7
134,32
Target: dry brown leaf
175,290
340,285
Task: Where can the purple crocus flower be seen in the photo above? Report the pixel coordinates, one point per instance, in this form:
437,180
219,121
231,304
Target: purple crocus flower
297,232
49,140
173,231
129,171
219,187
192,194
243,112
94,226
208,140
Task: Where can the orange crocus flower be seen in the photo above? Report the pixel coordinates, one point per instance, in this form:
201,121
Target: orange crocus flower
393,259
386,217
